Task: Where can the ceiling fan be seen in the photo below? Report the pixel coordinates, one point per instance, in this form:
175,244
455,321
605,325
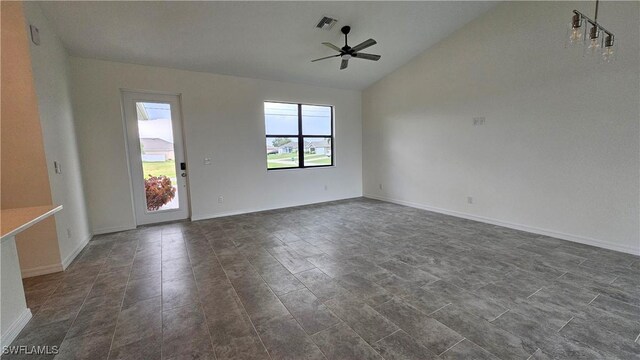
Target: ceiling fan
347,52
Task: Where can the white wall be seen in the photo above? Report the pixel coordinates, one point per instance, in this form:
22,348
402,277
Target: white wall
223,119
49,62
559,153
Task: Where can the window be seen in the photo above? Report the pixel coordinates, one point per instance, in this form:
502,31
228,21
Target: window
298,135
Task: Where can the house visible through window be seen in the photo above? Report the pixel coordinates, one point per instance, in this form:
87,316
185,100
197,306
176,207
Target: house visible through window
298,135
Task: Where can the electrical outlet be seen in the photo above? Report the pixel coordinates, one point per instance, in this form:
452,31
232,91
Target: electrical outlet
207,161
220,199
470,199
478,121
69,233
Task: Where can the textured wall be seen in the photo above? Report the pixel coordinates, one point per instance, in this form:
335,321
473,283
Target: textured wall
559,152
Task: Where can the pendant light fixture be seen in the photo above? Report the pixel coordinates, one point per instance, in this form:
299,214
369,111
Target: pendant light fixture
587,32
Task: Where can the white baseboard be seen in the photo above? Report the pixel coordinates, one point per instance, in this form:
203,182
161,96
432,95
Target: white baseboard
110,230
15,328
223,214
41,270
535,230
252,210
67,261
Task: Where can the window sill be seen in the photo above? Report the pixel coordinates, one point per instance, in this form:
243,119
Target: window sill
303,168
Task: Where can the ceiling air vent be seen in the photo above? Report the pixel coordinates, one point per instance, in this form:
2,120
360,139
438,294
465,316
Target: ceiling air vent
326,23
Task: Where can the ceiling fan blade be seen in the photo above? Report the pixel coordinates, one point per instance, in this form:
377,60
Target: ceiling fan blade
344,64
366,56
363,45
332,46
326,57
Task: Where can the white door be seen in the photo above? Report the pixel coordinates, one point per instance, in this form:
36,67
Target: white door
156,157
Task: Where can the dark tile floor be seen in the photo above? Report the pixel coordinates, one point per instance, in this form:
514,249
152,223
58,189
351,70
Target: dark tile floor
356,279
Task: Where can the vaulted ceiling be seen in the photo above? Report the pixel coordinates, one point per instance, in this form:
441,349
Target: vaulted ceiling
265,40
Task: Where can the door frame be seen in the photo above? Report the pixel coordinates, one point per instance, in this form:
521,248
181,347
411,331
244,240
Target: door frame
123,103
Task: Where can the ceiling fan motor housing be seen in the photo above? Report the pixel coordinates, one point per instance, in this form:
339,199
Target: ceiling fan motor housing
346,49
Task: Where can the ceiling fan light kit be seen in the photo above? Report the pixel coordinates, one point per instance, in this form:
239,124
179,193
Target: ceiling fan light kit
601,41
346,53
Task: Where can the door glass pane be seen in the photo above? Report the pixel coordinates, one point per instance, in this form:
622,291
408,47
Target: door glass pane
155,133
317,151
282,152
281,119
316,120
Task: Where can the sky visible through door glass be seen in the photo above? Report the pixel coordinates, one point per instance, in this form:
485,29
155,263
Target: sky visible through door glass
154,121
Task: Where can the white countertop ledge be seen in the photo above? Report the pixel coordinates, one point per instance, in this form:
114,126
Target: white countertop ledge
13,221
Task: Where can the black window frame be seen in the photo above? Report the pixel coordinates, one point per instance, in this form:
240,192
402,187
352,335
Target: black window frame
301,137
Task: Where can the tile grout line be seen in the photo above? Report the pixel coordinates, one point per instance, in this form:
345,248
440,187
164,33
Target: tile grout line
238,297
416,308
341,320
592,300
113,336
161,292
483,347
452,346
535,292
288,292
563,274
438,309
506,311
49,295
294,318
421,312
531,356
637,337
311,291
567,323
278,260
383,303
213,348
332,326
384,337
277,297
86,296
361,338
